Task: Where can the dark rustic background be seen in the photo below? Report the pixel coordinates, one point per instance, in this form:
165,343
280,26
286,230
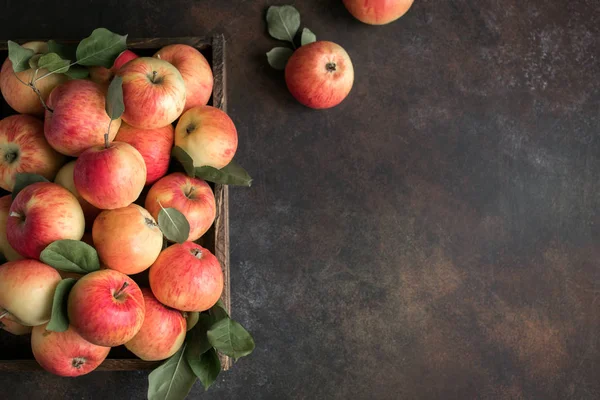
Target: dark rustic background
435,236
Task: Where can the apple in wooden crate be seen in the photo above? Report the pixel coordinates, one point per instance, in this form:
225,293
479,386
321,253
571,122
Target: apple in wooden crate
79,120
42,213
27,291
378,12
162,332
64,178
195,70
66,353
106,308
9,253
20,97
23,148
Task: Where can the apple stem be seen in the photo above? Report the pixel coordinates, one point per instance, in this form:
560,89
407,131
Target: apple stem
120,291
196,253
107,134
36,91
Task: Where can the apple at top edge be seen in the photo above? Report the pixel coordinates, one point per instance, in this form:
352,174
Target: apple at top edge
378,12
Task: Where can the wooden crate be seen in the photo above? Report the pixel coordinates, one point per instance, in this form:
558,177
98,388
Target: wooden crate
15,351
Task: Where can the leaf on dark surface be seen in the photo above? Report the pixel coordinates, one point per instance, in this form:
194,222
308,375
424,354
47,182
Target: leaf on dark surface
218,312
19,56
184,159
307,37
71,256
279,56
101,48
231,174
53,63
24,179
283,22
173,379
207,368
114,98
173,224
59,321
230,338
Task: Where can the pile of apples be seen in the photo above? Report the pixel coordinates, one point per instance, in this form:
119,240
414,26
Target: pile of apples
93,193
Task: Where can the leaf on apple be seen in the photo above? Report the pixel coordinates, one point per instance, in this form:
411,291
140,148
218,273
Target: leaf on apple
307,37
77,72
218,312
33,61
65,51
24,179
53,63
279,56
173,224
101,48
207,368
231,174
19,56
114,98
71,256
59,321
283,22
231,338
184,158
173,379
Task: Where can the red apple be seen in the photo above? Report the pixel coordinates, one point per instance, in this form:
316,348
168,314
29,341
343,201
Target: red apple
42,213
65,353
208,135
106,308
153,144
153,92
21,97
64,178
162,333
27,291
194,69
127,239
23,148
377,12
110,177
9,253
187,277
79,120
319,75
103,76
9,325
192,197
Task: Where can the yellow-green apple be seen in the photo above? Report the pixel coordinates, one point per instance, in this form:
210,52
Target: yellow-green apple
208,135
110,177
23,148
10,325
127,239
64,178
153,144
9,253
194,69
21,97
65,353
106,308
187,277
162,332
103,76
191,196
27,291
153,92
319,75
377,12
79,120
42,213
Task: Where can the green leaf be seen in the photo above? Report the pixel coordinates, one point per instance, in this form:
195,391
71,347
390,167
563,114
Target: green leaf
231,174
231,338
173,224
65,51
19,56
33,61
184,158
197,340
207,368
101,48
218,312
59,321
279,56
191,319
307,37
71,256
173,379
77,72
53,63
114,98
283,22
24,179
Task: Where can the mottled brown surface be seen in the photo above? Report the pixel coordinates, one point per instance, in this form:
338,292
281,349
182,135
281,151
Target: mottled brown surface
435,236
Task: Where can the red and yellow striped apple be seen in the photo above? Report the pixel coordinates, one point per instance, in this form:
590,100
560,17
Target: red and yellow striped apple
64,178
191,196
378,12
